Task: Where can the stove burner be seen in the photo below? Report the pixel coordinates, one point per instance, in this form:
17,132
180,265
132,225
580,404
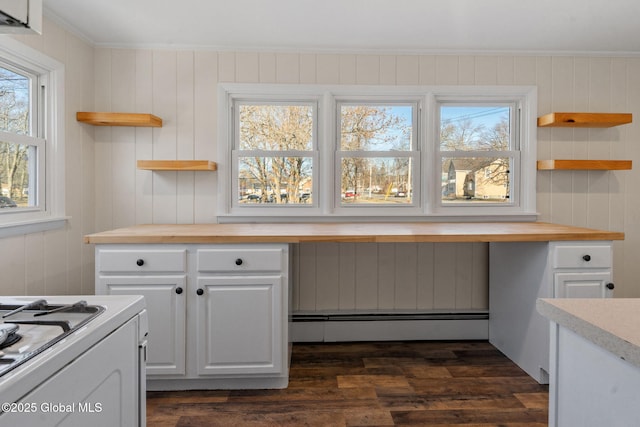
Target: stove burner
8,335
10,340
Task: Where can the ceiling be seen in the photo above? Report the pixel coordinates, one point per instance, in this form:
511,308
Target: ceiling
429,26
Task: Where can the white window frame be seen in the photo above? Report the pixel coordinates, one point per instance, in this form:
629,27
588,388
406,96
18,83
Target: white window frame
428,206
47,94
522,154
312,153
230,153
414,208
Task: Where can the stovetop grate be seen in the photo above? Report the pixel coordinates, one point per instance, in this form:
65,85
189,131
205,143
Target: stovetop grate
40,326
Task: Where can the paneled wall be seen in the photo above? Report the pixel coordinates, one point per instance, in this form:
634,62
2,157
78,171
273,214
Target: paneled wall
388,276
180,86
105,190
58,262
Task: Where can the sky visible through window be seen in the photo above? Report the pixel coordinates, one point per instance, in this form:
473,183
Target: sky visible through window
486,115
395,135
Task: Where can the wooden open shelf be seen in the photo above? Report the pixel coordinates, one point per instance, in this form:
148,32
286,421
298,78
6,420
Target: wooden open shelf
584,164
177,165
119,119
584,120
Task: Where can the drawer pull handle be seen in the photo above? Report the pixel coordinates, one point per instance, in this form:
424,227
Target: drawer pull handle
140,262
239,261
587,258
178,290
200,291
610,286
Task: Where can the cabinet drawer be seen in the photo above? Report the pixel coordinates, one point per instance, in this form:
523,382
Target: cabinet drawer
582,256
168,261
245,259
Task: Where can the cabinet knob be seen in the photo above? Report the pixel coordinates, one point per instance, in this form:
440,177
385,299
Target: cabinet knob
178,290
610,286
587,258
239,261
200,291
140,262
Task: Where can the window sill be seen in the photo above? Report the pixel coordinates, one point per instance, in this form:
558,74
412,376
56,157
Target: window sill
18,228
519,217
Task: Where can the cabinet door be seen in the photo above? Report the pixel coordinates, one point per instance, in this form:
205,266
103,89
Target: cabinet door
240,324
583,285
165,299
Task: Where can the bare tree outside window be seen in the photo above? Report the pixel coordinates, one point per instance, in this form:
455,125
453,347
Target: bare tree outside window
14,157
274,146
275,142
349,151
376,145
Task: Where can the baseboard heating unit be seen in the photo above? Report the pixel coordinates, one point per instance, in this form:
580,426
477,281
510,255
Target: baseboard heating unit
389,326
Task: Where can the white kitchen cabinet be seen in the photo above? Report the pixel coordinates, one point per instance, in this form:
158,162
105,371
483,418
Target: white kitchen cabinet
591,387
166,312
160,275
522,272
218,314
242,310
239,325
583,285
582,270
595,361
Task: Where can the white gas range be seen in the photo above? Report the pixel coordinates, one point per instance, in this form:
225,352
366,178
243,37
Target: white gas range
73,360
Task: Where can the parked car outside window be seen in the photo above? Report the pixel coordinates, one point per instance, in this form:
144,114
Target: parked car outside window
6,202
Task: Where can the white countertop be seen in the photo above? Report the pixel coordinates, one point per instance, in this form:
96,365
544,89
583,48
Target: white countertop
611,323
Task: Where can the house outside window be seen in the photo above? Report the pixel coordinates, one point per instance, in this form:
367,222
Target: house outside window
479,150
418,153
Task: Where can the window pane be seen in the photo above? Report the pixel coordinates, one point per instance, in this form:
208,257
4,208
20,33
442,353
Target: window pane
376,127
476,128
276,127
17,179
385,180
475,179
14,102
276,180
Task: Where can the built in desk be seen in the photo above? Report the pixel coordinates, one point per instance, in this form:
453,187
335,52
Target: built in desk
527,261
351,232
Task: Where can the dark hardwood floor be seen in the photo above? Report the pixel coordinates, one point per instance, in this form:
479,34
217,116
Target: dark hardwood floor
467,383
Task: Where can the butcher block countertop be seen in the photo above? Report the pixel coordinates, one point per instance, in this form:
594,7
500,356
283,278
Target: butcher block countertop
391,232
611,323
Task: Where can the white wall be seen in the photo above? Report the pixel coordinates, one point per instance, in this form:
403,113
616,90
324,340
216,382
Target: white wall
57,262
180,87
105,190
